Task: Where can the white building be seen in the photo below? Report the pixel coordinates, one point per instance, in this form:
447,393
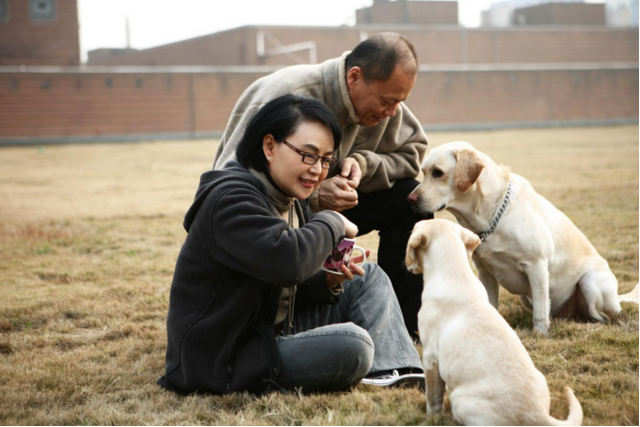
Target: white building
622,13
500,13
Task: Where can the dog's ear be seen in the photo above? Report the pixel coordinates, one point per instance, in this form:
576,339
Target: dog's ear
417,240
505,171
469,166
471,241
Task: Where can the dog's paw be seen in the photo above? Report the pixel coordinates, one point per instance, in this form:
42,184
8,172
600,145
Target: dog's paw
435,408
541,327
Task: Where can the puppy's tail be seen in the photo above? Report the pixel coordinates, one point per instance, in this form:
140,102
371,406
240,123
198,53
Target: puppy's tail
575,411
631,296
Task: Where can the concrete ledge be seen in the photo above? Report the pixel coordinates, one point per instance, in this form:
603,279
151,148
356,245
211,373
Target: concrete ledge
577,66
446,127
267,69
140,69
176,136
97,139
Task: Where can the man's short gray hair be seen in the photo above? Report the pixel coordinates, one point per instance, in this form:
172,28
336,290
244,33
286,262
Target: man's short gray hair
379,55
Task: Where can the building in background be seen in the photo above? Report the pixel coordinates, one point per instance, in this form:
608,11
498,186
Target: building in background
506,13
543,12
622,13
409,12
97,55
499,14
469,78
436,46
39,32
562,13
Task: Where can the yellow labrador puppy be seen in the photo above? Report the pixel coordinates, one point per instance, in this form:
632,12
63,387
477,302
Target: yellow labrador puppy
467,345
529,247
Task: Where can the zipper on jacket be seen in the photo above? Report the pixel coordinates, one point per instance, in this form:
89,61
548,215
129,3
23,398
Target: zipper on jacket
234,348
272,348
262,327
230,360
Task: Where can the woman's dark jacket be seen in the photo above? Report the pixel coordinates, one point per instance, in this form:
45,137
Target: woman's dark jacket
237,257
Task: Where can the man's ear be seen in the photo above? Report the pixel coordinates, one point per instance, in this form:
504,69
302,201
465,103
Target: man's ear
268,146
471,241
419,239
354,76
469,166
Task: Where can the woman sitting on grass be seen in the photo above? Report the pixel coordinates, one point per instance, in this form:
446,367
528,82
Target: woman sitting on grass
250,308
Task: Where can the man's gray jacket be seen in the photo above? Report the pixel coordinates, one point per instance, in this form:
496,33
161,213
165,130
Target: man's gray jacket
391,150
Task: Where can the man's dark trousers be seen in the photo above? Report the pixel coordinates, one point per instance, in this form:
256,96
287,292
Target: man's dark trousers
389,212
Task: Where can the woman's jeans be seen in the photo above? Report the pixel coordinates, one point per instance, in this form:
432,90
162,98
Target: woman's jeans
335,346
389,212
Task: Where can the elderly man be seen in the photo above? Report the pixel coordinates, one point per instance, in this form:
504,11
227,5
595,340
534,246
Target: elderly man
381,149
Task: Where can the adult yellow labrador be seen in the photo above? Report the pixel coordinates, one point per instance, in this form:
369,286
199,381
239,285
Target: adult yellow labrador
467,345
529,247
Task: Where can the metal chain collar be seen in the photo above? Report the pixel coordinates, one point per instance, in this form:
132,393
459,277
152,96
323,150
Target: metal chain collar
505,202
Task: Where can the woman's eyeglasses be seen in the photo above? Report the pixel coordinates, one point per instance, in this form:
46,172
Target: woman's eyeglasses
311,158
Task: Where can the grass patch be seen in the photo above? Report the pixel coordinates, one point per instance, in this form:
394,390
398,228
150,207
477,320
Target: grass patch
89,236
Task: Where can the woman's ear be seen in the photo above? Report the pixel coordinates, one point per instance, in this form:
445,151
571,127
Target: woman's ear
268,146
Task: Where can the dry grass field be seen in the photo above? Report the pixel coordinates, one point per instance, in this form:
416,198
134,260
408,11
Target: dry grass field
89,235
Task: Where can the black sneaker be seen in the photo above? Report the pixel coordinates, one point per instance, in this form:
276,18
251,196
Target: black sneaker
394,379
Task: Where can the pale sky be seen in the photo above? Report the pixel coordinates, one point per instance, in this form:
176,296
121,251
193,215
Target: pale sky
158,22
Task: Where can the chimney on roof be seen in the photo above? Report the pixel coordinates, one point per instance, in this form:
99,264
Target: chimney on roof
128,32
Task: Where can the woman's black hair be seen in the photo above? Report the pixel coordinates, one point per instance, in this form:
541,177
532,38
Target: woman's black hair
280,118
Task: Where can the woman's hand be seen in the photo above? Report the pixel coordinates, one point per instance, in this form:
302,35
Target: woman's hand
335,281
350,229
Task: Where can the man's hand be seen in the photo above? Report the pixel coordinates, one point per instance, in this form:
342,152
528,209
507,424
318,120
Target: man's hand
336,194
350,169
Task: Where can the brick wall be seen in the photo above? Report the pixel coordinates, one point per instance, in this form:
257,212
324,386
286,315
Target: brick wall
224,48
44,104
435,45
530,46
525,96
238,47
436,12
66,104
409,12
25,41
101,54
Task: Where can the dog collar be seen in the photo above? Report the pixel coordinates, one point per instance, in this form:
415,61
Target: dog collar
496,220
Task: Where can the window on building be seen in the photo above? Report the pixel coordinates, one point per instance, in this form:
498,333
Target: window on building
4,10
42,10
